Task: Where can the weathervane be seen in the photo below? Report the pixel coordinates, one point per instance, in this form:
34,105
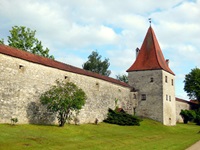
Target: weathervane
150,21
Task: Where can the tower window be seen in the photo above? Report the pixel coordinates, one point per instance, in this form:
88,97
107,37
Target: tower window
166,79
143,97
172,82
151,79
167,97
134,96
170,98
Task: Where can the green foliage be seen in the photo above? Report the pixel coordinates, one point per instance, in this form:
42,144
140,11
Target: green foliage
95,64
188,115
197,119
1,41
121,118
123,78
63,98
24,38
192,84
14,121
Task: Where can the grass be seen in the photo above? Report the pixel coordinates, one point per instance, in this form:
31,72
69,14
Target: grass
150,135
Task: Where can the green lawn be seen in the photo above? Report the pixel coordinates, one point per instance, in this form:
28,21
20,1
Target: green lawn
150,135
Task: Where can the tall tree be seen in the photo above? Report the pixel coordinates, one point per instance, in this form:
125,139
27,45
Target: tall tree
24,39
123,78
192,84
1,41
95,64
63,98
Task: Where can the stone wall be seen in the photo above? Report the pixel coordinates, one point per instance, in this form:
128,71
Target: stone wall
22,82
152,90
148,84
169,102
181,105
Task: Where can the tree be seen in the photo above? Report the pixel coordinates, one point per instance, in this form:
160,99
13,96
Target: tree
192,84
24,38
95,64
188,115
123,78
63,98
1,41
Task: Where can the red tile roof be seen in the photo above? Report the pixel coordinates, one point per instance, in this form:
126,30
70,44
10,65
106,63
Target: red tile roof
13,52
182,100
150,56
186,101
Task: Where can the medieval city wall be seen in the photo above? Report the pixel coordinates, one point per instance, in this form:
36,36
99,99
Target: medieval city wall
22,83
180,105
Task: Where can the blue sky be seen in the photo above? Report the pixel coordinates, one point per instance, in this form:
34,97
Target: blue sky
72,29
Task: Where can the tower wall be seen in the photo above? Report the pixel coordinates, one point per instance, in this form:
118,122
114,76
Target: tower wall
149,84
169,102
152,94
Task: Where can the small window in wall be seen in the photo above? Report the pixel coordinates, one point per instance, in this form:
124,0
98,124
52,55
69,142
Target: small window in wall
65,77
143,97
172,82
166,79
134,96
97,85
151,79
167,97
170,98
21,68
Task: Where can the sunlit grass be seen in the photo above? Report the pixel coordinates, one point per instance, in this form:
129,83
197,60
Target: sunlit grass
150,135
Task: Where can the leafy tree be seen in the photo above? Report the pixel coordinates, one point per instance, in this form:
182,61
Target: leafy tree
123,78
95,64
197,119
192,84
63,98
24,39
188,115
1,41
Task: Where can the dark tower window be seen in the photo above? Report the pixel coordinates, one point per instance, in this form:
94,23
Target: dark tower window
134,96
172,82
166,79
143,97
151,79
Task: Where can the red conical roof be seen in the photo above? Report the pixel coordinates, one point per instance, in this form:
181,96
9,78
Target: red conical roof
150,56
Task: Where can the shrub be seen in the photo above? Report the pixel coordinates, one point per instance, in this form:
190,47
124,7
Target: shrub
197,119
121,118
13,121
188,115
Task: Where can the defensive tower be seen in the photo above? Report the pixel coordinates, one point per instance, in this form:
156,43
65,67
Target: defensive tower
152,78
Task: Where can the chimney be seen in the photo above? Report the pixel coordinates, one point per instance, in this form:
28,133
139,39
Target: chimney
167,61
137,51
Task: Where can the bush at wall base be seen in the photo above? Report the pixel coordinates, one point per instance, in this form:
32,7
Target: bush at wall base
121,118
